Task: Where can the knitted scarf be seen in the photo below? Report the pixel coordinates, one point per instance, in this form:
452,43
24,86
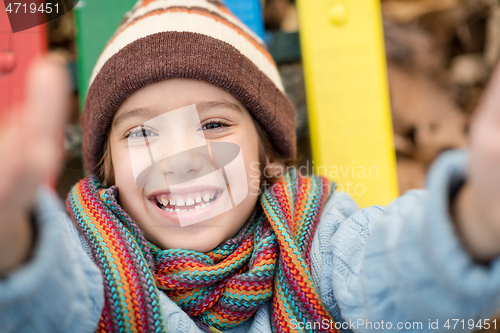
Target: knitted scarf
267,260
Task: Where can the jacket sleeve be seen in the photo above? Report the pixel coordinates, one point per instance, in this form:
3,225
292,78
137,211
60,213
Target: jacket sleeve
403,264
60,288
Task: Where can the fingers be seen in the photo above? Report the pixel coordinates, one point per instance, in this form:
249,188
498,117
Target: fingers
488,108
484,142
47,99
9,152
29,141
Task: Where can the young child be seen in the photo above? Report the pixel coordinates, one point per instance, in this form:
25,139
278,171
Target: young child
183,93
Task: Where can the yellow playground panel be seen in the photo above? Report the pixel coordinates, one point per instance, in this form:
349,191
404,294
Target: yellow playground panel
348,99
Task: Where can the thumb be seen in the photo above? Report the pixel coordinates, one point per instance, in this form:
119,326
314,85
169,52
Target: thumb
47,98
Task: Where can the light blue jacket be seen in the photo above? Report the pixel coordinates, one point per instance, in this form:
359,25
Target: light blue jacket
401,265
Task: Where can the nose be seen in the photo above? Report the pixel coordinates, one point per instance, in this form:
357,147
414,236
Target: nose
187,165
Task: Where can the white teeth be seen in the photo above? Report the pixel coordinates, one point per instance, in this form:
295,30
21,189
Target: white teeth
196,202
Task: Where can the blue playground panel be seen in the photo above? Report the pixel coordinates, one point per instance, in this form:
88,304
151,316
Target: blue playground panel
250,12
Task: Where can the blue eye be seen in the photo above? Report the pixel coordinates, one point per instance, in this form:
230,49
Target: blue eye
140,132
214,125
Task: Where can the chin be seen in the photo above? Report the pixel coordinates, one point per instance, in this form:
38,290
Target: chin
202,247
201,237
199,247
201,241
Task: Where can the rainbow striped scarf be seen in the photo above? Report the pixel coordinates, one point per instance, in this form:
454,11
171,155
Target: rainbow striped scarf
267,260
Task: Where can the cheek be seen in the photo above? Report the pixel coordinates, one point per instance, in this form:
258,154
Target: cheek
252,168
250,150
245,173
130,195
122,166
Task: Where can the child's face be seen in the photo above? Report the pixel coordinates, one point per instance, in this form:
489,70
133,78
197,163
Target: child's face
222,119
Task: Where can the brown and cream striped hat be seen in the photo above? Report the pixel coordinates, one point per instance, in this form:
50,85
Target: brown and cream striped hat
193,39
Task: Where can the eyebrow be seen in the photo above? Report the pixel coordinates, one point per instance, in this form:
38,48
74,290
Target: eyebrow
150,113
206,105
139,112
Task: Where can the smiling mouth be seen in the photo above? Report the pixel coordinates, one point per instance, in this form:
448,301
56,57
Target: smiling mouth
186,203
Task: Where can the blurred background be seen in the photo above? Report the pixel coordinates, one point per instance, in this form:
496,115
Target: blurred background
439,58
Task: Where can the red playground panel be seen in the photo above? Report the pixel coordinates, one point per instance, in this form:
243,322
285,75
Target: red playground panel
17,51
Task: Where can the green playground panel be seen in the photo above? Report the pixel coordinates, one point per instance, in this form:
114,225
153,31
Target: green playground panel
96,22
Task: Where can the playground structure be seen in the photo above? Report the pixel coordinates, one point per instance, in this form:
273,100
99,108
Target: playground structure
345,72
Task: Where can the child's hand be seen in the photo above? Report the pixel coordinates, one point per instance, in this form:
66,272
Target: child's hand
29,150
477,207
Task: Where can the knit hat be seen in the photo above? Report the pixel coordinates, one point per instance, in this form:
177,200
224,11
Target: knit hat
192,39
